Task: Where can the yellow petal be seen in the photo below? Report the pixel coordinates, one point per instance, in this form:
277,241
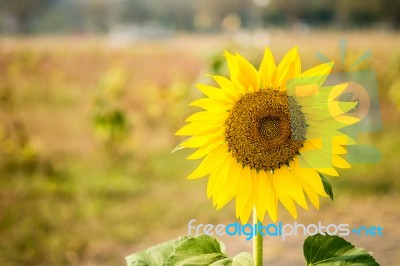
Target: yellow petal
200,140
316,75
228,188
326,110
232,64
338,161
329,136
247,212
266,198
337,108
329,123
283,195
346,120
335,91
234,71
214,93
267,69
305,93
293,187
328,171
211,105
318,158
227,86
272,207
243,192
248,75
329,147
217,176
326,151
343,140
302,171
289,67
207,148
207,116
208,163
311,194
196,128
261,205
322,162
251,201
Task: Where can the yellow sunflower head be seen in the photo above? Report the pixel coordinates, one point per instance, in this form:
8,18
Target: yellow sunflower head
265,135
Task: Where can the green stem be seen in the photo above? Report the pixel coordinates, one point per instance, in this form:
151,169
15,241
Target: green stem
257,244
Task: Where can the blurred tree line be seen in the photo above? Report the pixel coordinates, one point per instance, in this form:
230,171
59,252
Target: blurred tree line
80,16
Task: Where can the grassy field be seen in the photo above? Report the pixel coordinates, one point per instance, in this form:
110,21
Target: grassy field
87,127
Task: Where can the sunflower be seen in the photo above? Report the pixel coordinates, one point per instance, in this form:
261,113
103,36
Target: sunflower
266,136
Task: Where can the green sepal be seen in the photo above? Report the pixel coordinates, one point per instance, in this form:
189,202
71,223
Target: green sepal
327,186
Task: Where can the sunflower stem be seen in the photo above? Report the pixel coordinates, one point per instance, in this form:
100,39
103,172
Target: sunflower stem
257,243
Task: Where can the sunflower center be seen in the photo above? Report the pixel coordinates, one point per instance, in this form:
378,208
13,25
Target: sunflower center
269,127
265,129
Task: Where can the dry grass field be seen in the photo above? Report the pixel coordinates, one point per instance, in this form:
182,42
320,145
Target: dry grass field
86,130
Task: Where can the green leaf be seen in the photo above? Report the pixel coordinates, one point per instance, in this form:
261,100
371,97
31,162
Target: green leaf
194,250
243,259
335,251
224,262
198,250
327,186
156,255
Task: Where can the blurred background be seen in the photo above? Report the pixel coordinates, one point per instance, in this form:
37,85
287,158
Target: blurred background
92,91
